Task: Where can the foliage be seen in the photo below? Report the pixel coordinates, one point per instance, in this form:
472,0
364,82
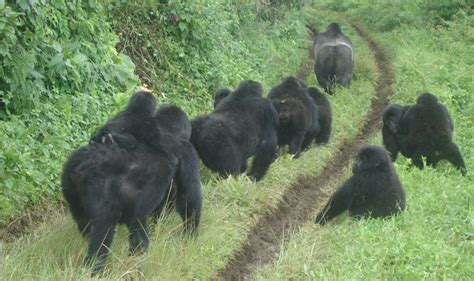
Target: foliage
58,72
185,50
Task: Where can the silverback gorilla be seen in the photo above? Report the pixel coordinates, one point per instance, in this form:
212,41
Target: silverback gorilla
334,56
421,130
122,180
298,115
242,125
373,191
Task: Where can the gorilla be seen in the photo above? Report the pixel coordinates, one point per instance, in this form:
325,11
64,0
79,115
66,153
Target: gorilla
109,183
298,115
242,125
132,123
220,95
334,58
421,130
173,120
325,114
374,189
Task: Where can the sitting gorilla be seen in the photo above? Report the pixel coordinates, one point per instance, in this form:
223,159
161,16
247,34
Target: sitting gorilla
325,115
111,183
373,191
298,115
242,124
334,58
220,95
421,130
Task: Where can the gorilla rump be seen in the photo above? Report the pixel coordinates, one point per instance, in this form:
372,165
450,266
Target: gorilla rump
374,189
334,56
298,115
421,130
242,125
107,184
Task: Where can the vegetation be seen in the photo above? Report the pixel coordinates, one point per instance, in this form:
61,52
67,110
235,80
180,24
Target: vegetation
59,73
184,51
433,238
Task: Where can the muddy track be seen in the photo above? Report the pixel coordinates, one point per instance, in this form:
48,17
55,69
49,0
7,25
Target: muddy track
299,202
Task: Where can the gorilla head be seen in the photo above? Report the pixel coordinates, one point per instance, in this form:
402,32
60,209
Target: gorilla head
220,95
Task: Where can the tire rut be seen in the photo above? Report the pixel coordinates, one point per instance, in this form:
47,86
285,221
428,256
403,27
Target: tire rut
299,202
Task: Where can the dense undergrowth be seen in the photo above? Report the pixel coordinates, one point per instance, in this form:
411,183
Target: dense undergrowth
433,239
59,71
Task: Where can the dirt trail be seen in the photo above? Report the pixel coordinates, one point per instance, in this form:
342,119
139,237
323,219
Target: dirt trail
298,204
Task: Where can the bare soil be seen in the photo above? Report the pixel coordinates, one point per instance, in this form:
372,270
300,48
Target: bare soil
300,201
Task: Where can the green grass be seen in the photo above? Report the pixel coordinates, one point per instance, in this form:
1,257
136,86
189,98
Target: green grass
231,206
433,239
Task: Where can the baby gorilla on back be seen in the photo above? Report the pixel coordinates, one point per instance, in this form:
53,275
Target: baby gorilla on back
243,124
304,115
126,172
373,191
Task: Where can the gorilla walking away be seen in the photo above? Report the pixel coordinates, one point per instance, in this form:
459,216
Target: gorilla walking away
334,56
374,189
421,130
109,183
242,125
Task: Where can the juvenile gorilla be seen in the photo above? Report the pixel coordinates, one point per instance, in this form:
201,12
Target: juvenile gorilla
107,184
298,115
421,130
373,191
334,58
173,120
133,123
242,125
325,115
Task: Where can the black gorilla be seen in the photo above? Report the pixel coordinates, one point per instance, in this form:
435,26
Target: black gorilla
298,115
243,124
325,115
334,58
373,191
220,95
133,123
107,184
421,130
173,120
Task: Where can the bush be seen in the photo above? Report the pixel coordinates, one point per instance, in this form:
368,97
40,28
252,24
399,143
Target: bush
58,73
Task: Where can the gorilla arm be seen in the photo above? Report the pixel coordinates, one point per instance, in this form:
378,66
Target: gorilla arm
339,202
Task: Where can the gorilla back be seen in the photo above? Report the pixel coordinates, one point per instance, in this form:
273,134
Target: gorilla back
242,124
374,190
107,184
334,56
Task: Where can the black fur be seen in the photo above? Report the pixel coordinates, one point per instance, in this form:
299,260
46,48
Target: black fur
172,119
110,183
421,130
374,189
333,53
242,125
220,95
298,115
325,115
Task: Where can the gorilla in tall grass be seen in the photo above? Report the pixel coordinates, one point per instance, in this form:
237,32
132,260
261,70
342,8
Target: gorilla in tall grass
334,56
374,189
126,176
421,130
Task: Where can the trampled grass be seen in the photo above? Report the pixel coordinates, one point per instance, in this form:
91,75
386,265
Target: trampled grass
433,239
231,206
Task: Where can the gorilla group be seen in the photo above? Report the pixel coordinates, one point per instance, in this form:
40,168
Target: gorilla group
304,115
126,172
373,191
421,130
334,58
243,124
